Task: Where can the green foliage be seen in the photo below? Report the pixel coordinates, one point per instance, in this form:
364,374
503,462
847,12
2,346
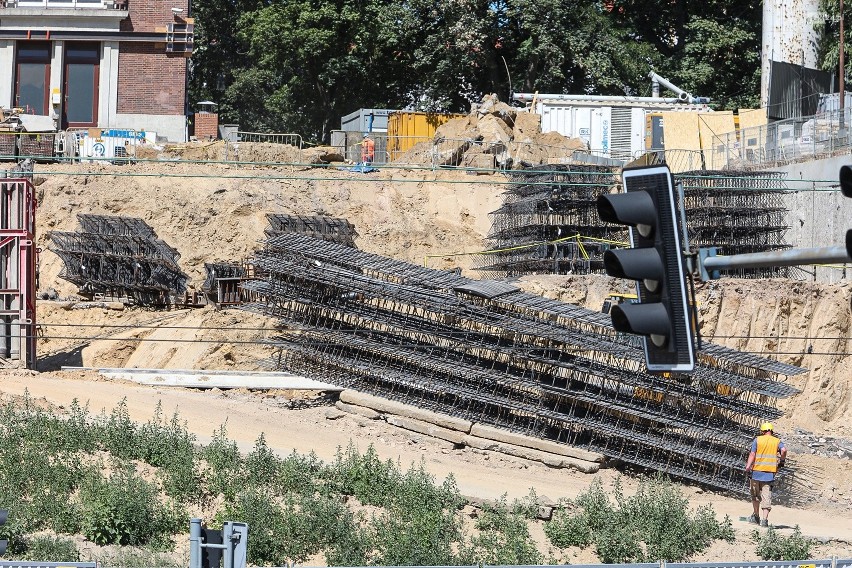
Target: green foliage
46,548
290,529
124,509
503,535
774,546
654,524
171,448
117,433
366,477
223,465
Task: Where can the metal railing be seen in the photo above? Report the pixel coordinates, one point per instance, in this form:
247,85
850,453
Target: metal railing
271,137
39,564
783,142
804,563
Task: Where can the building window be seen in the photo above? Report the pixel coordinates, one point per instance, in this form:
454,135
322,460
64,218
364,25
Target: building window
81,84
32,72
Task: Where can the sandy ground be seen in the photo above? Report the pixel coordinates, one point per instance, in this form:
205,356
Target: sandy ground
217,213
481,475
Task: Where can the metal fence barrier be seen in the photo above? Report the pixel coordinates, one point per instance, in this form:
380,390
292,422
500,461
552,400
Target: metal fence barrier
271,138
807,563
785,141
38,564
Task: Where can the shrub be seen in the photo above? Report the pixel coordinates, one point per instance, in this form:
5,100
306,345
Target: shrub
654,524
171,448
366,477
124,509
774,546
223,459
291,529
503,536
46,548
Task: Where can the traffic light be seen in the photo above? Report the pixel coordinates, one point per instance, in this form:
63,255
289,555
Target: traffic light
846,189
655,261
4,514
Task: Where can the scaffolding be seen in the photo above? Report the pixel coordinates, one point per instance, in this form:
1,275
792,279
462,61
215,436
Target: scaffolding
119,258
18,273
549,224
488,352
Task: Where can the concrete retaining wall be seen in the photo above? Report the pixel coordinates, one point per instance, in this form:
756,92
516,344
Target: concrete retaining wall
819,215
462,432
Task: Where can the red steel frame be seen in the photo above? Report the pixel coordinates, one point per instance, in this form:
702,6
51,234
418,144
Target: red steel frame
18,261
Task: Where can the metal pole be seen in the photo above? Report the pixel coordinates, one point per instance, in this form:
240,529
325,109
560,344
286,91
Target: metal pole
228,541
194,543
793,257
842,70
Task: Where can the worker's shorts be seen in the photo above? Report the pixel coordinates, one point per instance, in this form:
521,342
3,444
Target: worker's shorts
761,491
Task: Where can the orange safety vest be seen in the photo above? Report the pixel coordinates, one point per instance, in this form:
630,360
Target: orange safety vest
368,149
766,456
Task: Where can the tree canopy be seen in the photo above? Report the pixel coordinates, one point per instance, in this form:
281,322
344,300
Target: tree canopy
299,65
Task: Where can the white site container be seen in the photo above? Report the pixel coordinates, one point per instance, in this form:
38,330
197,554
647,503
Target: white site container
619,131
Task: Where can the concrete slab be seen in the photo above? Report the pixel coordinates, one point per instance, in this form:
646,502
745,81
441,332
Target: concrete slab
209,379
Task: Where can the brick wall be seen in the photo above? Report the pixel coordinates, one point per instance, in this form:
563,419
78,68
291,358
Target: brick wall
150,81
206,125
146,15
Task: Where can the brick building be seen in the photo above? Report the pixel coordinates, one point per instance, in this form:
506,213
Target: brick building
98,63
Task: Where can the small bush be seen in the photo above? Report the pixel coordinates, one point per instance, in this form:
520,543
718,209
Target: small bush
774,546
223,459
125,510
654,524
503,536
46,548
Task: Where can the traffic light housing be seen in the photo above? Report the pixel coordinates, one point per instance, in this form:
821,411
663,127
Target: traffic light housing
846,189
655,261
4,515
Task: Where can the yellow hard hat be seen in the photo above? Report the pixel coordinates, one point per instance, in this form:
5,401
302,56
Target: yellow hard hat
766,426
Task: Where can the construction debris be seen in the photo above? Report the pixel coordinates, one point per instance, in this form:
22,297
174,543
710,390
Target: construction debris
494,134
486,352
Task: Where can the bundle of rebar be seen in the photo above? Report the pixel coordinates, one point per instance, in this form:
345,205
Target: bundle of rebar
549,223
120,258
222,283
737,212
488,352
319,226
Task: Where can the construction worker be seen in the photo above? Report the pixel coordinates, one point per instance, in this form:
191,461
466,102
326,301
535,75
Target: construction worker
368,150
767,455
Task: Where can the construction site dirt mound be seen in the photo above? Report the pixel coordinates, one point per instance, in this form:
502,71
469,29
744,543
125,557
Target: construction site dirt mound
217,212
493,134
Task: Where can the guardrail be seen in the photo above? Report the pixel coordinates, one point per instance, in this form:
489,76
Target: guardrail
807,563
38,564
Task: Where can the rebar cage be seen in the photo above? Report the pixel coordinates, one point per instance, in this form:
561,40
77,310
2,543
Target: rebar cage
491,353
